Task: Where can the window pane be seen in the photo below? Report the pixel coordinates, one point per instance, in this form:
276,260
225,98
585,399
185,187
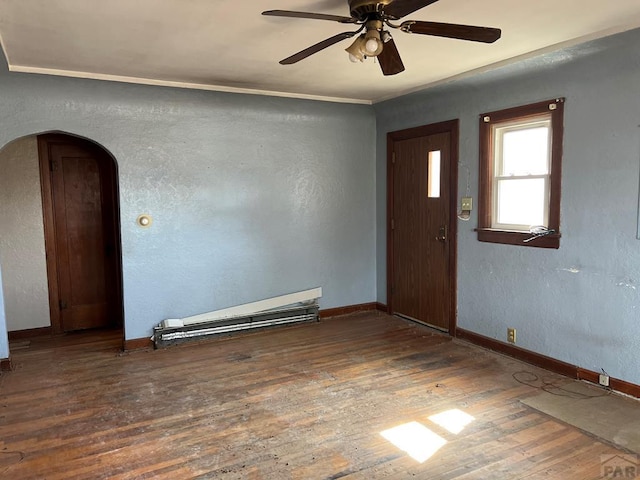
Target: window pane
525,151
433,180
521,202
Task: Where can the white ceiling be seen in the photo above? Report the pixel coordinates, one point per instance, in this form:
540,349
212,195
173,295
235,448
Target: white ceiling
228,45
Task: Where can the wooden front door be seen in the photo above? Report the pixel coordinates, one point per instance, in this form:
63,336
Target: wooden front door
82,234
422,230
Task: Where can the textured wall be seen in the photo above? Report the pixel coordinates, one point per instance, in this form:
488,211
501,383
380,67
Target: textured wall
4,342
22,255
251,196
579,303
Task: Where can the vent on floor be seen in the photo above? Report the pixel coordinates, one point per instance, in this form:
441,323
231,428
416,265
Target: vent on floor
285,309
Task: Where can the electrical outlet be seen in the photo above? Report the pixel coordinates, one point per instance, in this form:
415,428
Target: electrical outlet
603,380
511,335
466,204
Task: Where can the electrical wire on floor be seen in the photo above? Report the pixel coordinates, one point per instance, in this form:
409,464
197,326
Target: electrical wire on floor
553,388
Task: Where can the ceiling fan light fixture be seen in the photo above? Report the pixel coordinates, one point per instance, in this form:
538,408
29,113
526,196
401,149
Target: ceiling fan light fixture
373,46
356,50
373,16
372,42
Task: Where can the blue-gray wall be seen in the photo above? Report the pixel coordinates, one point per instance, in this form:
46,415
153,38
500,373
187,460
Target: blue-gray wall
22,256
4,342
258,196
580,303
251,196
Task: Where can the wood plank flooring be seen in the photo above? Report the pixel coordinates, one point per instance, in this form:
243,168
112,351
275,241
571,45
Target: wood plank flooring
304,402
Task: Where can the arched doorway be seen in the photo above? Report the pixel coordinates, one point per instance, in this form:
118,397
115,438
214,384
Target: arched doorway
80,200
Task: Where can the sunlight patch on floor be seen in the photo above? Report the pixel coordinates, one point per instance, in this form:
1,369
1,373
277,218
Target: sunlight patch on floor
415,439
419,441
453,420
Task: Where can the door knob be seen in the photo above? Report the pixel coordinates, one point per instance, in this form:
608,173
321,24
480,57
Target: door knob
442,234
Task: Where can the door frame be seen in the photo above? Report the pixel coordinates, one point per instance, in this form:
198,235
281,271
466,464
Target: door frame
44,160
453,128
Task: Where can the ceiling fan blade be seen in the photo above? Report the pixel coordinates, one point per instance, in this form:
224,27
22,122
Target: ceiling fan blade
452,30
389,59
316,48
400,8
313,16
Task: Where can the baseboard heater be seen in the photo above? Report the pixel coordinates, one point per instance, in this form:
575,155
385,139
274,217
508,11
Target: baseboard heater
286,309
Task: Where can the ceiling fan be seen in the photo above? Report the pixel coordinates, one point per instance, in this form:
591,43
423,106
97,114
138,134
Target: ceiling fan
372,16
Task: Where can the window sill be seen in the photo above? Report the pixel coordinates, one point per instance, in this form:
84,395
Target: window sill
517,238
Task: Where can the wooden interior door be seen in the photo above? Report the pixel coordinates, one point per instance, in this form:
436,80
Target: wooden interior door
422,276
84,236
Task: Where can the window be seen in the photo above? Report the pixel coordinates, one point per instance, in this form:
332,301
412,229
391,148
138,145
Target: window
433,174
520,168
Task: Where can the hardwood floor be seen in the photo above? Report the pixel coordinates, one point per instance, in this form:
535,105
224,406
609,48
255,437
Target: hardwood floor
304,402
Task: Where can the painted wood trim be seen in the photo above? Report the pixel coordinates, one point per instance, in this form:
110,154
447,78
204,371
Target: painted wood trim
517,238
618,385
454,159
187,85
49,232
30,333
390,182
528,356
138,344
118,288
485,200
548,363
555,187
485,175
347,309
6,365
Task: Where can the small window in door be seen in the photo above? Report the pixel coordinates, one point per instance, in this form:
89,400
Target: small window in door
433,175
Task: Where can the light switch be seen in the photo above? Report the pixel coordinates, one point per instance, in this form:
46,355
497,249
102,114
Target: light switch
466,203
